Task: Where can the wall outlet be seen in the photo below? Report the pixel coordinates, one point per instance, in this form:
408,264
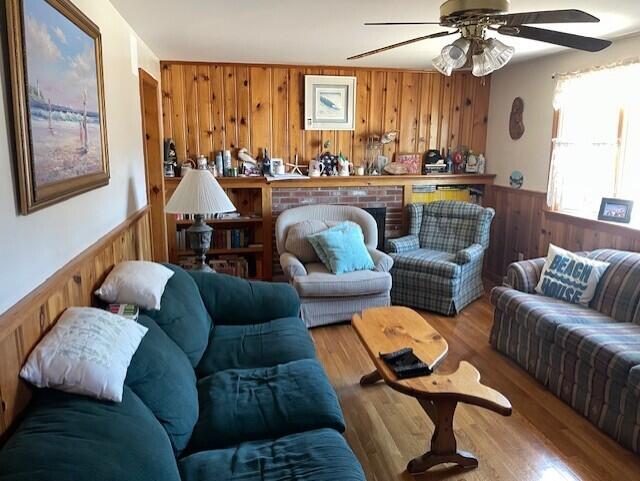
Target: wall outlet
520,256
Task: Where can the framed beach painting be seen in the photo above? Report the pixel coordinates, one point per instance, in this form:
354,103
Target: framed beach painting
330,102
55,55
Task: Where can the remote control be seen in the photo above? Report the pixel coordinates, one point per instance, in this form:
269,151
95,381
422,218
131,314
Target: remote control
415,370
391,356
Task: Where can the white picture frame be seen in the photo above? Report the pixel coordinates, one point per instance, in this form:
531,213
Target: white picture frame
329,102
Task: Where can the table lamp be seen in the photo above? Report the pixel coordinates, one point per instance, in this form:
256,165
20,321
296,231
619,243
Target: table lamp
199,193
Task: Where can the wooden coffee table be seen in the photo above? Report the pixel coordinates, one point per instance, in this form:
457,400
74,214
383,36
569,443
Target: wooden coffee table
387,329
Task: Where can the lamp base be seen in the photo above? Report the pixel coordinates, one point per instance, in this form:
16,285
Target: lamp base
199,235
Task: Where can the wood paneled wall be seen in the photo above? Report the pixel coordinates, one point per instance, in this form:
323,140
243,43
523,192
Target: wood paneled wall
522,225
22,326
211,107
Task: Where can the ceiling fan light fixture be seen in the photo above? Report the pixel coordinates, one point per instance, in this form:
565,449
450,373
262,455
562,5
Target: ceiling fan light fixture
500,53
483,64
455,54
442,66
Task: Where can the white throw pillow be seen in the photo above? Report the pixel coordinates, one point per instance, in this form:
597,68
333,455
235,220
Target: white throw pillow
87,352
135,282
570,277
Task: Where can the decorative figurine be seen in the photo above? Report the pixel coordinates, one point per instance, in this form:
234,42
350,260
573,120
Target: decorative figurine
458,161
296,167
482,164
249,164
345,166
266,163
472,163
170,158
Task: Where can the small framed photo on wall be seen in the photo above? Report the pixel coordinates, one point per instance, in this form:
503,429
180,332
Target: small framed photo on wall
330,102
615,210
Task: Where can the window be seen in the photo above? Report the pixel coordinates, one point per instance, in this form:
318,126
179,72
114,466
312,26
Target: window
596,149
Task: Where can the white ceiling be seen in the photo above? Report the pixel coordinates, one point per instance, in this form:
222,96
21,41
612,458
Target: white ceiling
326,32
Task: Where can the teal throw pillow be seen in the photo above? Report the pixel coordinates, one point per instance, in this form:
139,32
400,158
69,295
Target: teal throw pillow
342,249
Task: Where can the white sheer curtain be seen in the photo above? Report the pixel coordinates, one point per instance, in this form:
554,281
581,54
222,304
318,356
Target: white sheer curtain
596,150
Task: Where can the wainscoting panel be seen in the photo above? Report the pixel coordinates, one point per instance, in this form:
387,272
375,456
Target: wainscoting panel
212,107
523,226
22,326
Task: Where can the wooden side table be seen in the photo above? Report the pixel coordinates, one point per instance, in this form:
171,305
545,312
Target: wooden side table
388,329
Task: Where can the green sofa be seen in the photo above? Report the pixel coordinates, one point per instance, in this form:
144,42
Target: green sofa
224,386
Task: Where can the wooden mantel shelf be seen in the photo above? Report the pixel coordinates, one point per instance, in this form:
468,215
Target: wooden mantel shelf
433,179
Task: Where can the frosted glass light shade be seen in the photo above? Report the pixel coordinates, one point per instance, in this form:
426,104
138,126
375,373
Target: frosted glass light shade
456,54
483,64
442,66
499,52
199,193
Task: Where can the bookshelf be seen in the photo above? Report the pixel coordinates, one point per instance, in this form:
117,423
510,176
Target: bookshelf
240,246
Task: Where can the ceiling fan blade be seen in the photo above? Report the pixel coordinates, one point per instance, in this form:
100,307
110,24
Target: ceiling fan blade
549,16
579,42
402,23
401,44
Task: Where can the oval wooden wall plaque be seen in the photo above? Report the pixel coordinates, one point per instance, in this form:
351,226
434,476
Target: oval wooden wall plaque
516,123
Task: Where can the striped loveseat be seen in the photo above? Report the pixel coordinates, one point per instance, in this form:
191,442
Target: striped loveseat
587,356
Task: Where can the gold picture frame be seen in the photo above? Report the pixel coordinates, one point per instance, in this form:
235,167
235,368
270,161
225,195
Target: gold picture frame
60,125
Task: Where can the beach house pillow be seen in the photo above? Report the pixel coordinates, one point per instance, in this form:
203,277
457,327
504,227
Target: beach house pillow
87,352
570,277
342,248
135,282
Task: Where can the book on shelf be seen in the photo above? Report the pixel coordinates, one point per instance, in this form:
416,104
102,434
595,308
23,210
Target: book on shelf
230,238
233,265
221,216
222,239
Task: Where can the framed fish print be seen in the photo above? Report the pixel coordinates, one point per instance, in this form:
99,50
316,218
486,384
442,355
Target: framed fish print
330,102
55,55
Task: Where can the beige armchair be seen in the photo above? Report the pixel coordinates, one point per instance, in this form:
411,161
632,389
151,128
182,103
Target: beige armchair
327,298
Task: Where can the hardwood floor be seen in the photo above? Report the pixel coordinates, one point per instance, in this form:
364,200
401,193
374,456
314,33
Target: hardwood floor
544,439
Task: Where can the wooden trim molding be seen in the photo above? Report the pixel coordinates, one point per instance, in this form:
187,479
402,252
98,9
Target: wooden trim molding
525,226
22,326
586,223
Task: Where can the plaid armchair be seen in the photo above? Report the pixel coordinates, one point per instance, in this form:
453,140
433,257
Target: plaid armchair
438,266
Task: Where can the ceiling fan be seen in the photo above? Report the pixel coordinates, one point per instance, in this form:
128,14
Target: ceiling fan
472,19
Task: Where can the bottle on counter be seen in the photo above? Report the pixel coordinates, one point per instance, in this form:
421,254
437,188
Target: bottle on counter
219,164
449,162
226,160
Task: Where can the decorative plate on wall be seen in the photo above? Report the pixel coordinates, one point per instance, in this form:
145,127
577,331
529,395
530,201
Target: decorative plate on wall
516,180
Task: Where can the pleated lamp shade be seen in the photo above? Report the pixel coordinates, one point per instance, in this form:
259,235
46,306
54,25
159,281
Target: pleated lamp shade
199,193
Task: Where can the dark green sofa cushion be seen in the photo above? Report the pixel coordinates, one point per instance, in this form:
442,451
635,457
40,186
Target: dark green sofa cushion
66,437
162,377
240,405
231,300
321,455
183,315
256,345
